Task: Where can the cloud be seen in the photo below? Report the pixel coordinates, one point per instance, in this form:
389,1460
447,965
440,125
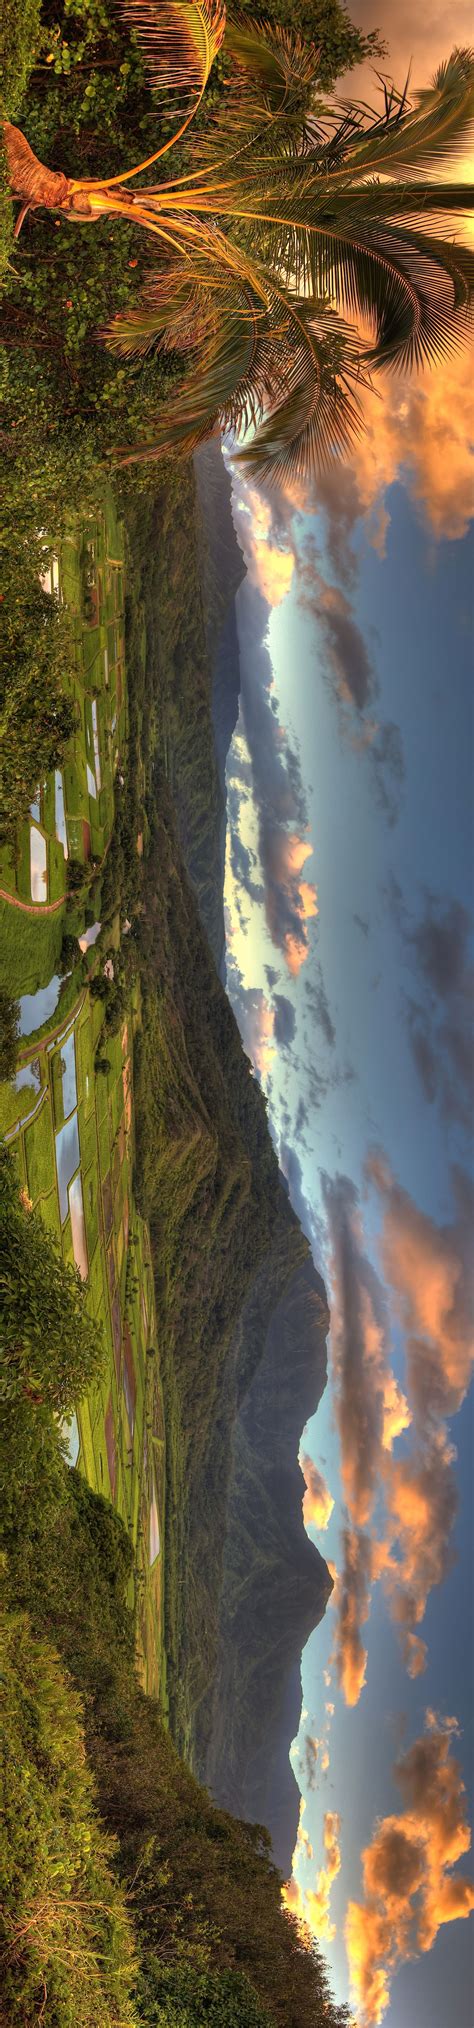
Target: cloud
387,762
400,1509
425,37
347,659
441,1027
242,859
278,871
270,561
254,1016
311,1906
302,1120
317,1899
318,1502
290,901
421,1499
419,433
284,1021
353,1593
349,669
429,1268
409,1888
359,1347
311,1751
317,999
292,1170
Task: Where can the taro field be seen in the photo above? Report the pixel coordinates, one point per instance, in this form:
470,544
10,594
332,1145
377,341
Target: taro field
67,1114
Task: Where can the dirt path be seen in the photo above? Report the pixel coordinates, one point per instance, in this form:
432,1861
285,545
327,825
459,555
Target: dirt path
32,907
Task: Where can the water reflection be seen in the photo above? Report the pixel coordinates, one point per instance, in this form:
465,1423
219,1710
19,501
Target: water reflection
37,1007
59,811
67,1160
38,865
95,736
154,1528
90,936
71,1439
78,1229
68,1067
28,1075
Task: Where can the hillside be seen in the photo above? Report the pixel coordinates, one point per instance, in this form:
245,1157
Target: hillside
207,1180
244,1320
275,1584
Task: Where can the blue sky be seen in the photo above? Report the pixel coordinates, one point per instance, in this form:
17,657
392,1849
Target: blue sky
352,622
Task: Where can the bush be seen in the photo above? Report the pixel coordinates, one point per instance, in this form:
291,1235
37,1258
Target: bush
50,1347
65,1939
9,1019
37,710
19,38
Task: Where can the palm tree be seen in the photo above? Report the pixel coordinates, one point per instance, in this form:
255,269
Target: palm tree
300,252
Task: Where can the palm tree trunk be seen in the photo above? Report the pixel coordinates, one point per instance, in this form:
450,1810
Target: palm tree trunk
29,179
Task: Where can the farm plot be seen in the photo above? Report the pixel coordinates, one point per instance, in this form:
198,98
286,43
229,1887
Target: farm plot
72,813
72,1136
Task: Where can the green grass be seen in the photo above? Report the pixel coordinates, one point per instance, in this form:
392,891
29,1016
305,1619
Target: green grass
39,1150
29,948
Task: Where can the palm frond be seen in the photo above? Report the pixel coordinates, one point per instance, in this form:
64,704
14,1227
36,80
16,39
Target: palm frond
353,248
274,67
317,413
434,126
295,219
221,378
179,40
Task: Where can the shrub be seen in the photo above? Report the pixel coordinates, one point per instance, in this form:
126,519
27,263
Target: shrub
37,709
50,1347
65,1940
9,1018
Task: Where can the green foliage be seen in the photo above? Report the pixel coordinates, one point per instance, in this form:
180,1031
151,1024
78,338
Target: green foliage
65,1938
50,1349
19,36
29,948
37,711
325,24
210,1932
9,1017
19,39
88,110
184,1997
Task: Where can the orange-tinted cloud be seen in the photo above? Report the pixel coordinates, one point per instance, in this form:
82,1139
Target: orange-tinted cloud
423,37
359,1351
270,563
317,1900
309,1759
401,1510
290,901
430,1271
255,1018
396,1413
318,1502
353,1606
311,1905
422,432
409,1888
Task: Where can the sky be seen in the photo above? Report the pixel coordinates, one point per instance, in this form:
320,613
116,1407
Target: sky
350,954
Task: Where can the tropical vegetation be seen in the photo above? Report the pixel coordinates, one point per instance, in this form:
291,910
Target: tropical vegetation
298,221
